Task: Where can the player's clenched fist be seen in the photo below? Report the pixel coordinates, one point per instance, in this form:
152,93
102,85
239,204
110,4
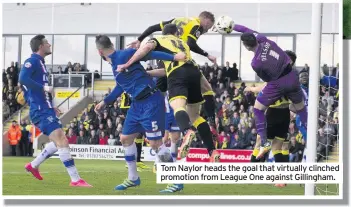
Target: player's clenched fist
121,68
99,107
213,59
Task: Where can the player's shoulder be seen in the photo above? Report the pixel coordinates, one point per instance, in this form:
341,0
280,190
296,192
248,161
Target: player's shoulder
181,19
30,62
128,50
270,42
195,21
156,39
124,53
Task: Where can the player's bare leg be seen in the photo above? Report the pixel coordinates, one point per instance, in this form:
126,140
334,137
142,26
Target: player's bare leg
130,151
204,130
178,105
166,136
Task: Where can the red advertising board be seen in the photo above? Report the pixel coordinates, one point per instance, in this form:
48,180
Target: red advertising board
227,155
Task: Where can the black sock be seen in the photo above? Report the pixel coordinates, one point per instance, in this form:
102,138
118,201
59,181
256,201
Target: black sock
254,154
183,120
286,158
205,134
210,107
285,154
278,156
253,159
139,147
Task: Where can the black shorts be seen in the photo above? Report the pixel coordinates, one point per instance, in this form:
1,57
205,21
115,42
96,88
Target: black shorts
161,83
185,82
278,120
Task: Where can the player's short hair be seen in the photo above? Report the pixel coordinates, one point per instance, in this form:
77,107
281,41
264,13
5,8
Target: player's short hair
103,42
249,39
207,15
36,41
170,29
292,56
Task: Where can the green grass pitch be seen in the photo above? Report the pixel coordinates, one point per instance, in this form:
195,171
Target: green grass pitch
104,175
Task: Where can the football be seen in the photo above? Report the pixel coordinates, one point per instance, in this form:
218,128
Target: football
224,25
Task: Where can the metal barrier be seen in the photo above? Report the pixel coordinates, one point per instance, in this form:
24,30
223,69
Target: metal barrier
19,111
87,79
70,80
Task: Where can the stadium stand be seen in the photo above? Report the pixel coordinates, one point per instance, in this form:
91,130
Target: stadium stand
235,125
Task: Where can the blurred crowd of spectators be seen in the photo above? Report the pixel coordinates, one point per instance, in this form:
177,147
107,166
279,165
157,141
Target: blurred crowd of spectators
235,124
12,95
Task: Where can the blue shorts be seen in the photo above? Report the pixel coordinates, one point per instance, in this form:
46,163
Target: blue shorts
46,120
147,116
171,124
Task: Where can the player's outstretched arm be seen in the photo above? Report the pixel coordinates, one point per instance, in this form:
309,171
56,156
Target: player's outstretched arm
115,93
243,29
147,32
25,77
192,43
156,55
152,29
161,72
138,55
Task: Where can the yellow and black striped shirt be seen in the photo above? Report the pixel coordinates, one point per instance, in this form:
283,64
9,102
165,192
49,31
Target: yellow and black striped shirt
125,101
